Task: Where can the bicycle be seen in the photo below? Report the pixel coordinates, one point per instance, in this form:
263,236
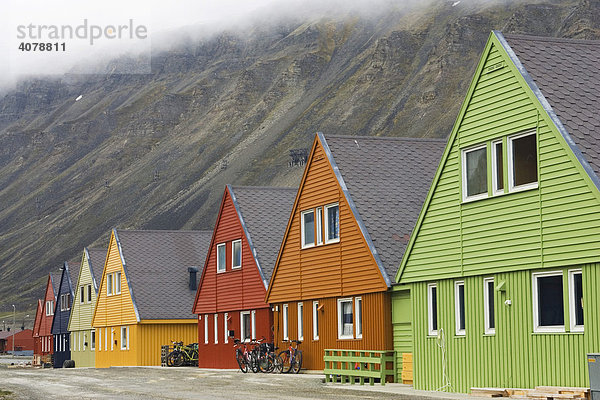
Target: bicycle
291,359
183,354
267,360
245,359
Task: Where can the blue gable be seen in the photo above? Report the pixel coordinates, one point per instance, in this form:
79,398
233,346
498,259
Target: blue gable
61,318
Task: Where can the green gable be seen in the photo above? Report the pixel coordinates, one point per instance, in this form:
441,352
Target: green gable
554,225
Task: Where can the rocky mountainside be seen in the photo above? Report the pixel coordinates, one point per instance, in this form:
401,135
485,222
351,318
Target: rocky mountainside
155,151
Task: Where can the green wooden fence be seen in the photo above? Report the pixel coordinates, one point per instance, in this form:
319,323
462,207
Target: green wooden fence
363,365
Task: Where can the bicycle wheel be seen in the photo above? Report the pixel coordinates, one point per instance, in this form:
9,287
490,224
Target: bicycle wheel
178,359
241,360
286,361
253,363
297,364
170,359
277,364
265,363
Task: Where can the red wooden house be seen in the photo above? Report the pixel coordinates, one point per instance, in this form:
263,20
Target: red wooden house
37,340
45,330
231,294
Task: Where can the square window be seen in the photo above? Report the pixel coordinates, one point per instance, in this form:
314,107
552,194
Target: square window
459,307
522,161
432,309
332,223
315,313
117,282
488,306
497,168
548,309
300,321
474,173
345,319
576,300
285,313
245,326
319,225
308,228
359,327
221,257
236,256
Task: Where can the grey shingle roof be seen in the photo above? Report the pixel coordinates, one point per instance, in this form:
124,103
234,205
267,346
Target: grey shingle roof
97,259
265,212
156,264
567,73
74,268
388,180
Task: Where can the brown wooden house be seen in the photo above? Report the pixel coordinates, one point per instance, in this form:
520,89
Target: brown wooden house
356,206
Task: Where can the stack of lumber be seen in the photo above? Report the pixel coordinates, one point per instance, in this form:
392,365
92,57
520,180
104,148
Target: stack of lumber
539,393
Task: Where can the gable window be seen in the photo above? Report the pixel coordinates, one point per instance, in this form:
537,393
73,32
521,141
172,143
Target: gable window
488,306
345,319
332,223
50,307
117,282
216,328
205,328
245,326
93,340
124,338
226,327
497,168
82,294
109,284
89,293
308,228
285,316
432,309
358,306
319,211
236,254
300,321
548,310
474,173
65,300
522,161
221,257
315,315
459,307
576,300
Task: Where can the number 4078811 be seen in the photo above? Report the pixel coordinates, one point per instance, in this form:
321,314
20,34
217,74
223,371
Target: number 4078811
26,46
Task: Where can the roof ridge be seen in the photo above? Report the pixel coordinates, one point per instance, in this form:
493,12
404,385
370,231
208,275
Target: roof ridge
387,138
550,39
164,230
264,187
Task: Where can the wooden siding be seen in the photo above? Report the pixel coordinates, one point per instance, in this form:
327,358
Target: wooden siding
116,309
345,268
60,322
82,313
514,356
82,353
46,322
377,327
234,289
401,327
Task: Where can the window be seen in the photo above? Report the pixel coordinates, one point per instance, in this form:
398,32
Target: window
315,315
82,338
497,168
332,223
236,254
345,319
253,324
205,328
82,294
548,310
488,306
216,328
522,161
358,307
308,228
109,284
221,257
50,307
459,307
106,339
474,173
117,282
93,340
65,300
112,339
100,339
89,293
124,338
319,225
226,328
576,300
300,321
286,335
432,309
245,326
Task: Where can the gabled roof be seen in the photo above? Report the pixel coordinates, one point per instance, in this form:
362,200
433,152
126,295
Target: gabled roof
156,264
96,259
54,284
385,181
564,75
263,213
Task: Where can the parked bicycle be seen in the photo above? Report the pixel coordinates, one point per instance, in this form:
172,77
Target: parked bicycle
244,357
291,359
183,355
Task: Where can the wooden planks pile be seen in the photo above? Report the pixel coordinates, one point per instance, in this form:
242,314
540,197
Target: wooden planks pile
539,393
407,368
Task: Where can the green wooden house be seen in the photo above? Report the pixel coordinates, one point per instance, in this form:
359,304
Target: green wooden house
83,336
500,281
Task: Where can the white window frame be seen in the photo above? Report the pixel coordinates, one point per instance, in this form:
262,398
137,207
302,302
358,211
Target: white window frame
89,293
49,307
430,316
205,328
112,339
463,162
509,152
300,320
536,327
253,321
92,340
315,316
125,343
109,284
226,327
285,317
495,190
358,321
117,282
233,266
106,339
457,311
486,307
82,294
319,225
216,327
222,268
302,237
573,327
243,337
340,315
326,218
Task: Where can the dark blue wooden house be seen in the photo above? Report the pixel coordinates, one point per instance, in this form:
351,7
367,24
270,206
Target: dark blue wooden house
62,311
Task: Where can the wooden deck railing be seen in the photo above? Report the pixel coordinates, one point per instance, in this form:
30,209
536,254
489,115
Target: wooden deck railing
361,365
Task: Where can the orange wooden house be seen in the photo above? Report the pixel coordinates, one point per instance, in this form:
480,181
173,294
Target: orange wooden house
356,206
46,340
239,263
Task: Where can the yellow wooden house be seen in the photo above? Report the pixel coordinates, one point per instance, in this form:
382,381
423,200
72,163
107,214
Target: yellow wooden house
146,295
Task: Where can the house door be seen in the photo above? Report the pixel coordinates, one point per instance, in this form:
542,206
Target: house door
402,334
